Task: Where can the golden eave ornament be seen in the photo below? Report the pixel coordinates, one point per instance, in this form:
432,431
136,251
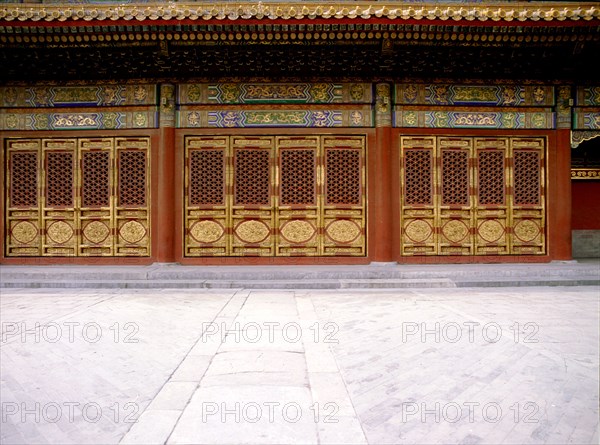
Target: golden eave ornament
203,10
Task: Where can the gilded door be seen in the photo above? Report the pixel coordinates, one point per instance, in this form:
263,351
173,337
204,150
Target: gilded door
275,196
78,197
472,195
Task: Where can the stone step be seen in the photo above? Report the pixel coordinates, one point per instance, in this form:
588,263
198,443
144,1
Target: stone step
261,273
525,282
298,284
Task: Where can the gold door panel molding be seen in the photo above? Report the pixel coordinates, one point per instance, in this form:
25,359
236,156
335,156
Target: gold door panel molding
78,197
275,196
472,195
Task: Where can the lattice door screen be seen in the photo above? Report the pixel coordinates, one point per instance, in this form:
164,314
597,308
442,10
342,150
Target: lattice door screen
472,196
78,197
275,196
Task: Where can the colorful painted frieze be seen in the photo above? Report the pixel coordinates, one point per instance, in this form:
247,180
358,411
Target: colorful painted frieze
586,119
474,119
78,96
475,95
25,119
274,93
190,117
588,96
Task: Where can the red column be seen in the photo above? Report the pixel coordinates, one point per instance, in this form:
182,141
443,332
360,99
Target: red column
380,196
164,240
559,198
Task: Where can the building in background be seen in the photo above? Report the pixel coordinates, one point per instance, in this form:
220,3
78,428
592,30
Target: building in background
299,132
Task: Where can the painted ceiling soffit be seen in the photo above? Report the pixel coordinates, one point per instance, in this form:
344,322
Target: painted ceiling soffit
202,10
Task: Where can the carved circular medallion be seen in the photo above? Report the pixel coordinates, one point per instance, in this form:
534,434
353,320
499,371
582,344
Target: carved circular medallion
455,230
526,230
418,230
206,231
343,231
96,232
24,232
59,231
297,231
491,230
252,231
132,232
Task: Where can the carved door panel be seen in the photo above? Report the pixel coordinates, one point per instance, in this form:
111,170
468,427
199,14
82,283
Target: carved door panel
418,218
298,218
132,211
454,194
344,195
252,212
59,200
23,197
207,218
96,166
492,206
528,215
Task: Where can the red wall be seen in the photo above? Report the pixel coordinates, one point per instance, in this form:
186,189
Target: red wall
586,205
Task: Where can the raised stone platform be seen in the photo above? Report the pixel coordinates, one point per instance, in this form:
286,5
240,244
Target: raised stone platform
383,276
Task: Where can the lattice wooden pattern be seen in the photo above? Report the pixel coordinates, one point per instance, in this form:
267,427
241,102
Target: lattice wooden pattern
275,195
62,201
472,195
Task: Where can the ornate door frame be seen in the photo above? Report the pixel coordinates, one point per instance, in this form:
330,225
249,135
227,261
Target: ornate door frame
274,195
472,195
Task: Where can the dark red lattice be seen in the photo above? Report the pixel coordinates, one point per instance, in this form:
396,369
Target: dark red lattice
490,177
455,177
132,178
298,177
95,179
252,177
418,177
207,177
342,176
23,179
59,179
527,178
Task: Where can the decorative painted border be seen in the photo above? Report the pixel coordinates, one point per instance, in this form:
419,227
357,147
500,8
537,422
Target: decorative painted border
478,95
274,93
78,96
300,10
586,119
588,96
577,137
78,119
585,173
193,117
474,119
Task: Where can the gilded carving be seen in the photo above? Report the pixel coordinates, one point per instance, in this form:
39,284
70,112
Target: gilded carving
299,10
491,230
418,230
455,230
206,231
96,232
24,232
297,231
343,231
60,232
526,230
357,92
132,232
252,231
585,173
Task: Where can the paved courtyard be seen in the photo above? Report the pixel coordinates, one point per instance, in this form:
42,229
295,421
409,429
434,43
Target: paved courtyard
419,366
